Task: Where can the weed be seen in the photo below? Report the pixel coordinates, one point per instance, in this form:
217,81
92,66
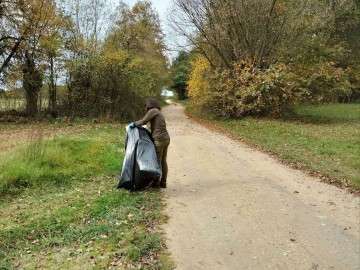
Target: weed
36,145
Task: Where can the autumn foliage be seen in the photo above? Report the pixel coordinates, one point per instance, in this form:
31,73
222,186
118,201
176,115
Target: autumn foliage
84,57
244,90
261,58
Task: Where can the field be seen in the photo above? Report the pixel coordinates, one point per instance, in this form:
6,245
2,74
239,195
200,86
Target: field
7,104
19,104
324,140
59,206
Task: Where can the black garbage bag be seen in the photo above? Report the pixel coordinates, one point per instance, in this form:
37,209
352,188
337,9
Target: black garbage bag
140,165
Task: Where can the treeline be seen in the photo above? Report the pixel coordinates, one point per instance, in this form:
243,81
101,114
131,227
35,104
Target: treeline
262,57
102,62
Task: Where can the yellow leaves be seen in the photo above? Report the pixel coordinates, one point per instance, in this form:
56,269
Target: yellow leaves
243,90
41,15
119,57
36,25
198,84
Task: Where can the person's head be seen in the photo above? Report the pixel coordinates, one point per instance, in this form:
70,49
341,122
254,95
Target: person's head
151,103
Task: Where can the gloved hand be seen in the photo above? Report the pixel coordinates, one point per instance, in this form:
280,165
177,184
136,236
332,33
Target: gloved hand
132,125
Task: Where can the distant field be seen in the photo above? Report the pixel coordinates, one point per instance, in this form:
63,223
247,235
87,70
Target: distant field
324,139
12,104
7,104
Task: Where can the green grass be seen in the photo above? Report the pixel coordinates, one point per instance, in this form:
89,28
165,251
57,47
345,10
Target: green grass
324,139
60,208
184,102
327,114
43,162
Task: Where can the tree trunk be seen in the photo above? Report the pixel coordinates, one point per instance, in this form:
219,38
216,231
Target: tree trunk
32,82
52,89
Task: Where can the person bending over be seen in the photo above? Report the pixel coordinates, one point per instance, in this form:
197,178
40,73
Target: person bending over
160,135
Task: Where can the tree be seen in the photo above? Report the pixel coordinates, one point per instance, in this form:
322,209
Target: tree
28,25
267,55
181,70
138,32
54,48
255,31
136,28
346,29
128,67
92,20
12,35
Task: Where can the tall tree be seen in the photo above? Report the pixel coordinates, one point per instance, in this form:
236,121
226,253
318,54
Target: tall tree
12,33
138,29
92,21
127,68
255,31
138,32
27,25
181,69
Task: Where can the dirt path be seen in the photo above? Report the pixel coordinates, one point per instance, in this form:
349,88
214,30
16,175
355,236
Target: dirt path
232,207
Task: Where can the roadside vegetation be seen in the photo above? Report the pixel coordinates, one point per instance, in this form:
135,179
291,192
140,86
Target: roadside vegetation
322,140
60,208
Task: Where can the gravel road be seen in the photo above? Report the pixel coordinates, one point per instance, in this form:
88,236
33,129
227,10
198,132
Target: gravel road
233,207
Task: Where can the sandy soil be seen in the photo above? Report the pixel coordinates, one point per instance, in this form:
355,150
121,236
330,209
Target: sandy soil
232,207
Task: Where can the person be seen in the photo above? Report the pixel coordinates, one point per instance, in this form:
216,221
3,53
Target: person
160,135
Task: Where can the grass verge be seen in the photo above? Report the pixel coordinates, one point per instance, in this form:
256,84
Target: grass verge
60,208
323,140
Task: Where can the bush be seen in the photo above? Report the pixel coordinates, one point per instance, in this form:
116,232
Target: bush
354,78
246,90
112,85
323,82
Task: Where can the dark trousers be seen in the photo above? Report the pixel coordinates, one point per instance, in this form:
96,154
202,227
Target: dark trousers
161,148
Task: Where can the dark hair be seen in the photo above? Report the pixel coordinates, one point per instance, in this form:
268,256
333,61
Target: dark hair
151,103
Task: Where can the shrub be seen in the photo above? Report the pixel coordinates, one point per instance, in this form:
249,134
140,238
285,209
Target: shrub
323,82
354,79
112,85
246,90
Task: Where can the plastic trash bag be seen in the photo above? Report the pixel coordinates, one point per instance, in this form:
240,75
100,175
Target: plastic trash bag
140,165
